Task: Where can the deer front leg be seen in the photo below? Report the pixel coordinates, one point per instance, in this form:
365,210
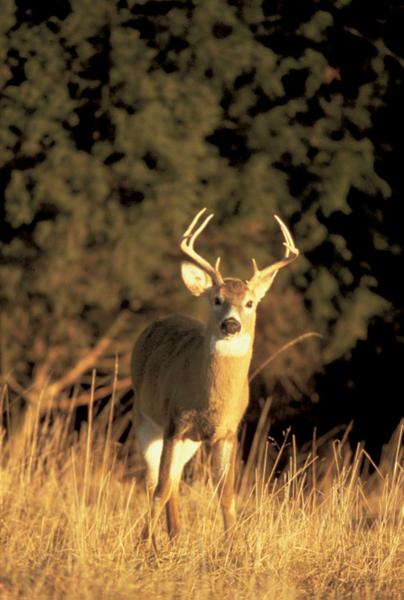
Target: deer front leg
164,486
172,514
223,465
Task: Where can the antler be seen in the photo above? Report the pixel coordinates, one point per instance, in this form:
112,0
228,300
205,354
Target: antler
187,246
290,255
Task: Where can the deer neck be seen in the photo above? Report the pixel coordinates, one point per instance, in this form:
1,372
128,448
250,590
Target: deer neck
226,379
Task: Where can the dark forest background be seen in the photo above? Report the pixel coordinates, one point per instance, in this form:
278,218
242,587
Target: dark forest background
120,119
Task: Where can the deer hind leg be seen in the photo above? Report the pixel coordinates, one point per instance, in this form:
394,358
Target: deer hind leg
176,453
150,439
223,465
184,450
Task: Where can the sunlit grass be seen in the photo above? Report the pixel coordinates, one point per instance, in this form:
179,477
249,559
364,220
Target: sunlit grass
71,519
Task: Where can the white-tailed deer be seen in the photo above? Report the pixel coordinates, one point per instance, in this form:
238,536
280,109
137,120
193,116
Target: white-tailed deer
191,379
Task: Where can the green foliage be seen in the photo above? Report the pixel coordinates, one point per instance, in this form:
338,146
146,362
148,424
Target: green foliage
116,126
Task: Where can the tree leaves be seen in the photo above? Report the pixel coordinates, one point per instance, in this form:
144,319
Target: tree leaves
119,120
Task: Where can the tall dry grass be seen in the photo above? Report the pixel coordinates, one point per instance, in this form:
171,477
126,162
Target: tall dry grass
71,517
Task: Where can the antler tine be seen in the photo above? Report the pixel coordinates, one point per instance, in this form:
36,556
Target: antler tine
187,246
255,267
194,221
199,230
289,243
291,254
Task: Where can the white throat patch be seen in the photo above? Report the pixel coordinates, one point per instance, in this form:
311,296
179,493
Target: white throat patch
234,346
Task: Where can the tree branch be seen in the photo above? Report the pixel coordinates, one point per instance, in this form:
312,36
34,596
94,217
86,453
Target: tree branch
55,388
87,397
283,349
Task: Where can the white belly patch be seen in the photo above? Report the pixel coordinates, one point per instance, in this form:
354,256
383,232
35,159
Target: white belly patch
235,346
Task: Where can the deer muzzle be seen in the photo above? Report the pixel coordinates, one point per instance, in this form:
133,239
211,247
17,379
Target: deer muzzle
230,326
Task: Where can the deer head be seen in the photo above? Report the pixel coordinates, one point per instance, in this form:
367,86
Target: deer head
233,302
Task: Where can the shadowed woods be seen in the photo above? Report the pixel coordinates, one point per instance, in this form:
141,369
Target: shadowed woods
119,123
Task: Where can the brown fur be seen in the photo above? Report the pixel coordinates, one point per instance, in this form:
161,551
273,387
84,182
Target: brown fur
177,378
191,379
193,394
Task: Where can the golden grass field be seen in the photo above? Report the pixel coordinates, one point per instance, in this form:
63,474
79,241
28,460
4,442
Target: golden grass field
71,517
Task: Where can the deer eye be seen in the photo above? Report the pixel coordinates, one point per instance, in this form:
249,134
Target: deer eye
217,301
249,304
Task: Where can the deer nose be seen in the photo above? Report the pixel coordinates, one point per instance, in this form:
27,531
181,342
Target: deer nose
230,326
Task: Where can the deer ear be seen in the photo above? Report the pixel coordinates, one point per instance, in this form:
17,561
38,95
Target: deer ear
195,278
261,286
